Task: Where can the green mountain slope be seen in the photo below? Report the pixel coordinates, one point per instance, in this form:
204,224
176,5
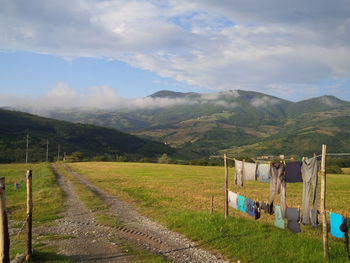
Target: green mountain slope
89,139
238,121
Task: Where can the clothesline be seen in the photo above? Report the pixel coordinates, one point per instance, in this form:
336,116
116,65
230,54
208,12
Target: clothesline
329,211
328,154
334,154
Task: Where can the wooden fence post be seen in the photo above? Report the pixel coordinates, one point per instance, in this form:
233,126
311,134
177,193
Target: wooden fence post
323,202
29,215
4,231
226,185
212,205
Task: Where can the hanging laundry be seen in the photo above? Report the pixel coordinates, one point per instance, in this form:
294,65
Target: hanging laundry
293,172
344,227
268,208
241,204
263,172
249,171
336,220
232,199
250,207
309,170
239,173
278,185
257,211
293,217
279,222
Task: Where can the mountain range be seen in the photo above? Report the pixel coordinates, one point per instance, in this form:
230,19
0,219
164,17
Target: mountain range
238,122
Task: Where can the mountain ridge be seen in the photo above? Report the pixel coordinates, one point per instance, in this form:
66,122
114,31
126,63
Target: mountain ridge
86,138
206,123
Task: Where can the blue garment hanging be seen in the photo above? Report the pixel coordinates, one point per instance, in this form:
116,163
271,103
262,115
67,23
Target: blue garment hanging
241,204
336,220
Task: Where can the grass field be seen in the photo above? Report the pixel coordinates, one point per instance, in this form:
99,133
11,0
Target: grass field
179,197
47,204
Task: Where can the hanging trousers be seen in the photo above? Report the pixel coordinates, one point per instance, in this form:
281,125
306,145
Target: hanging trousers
278,185
309,170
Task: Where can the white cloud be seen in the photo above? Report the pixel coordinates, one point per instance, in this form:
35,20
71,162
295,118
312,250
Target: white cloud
64,97
219,45
264,101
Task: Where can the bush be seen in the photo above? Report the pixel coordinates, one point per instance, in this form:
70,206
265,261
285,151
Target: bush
121,158
77,156
100,158
163,159
333,169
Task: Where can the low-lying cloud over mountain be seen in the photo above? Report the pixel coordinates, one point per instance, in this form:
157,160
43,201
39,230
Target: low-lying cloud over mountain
64,97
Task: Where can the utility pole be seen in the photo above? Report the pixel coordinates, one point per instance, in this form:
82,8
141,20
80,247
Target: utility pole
47,150
27,147
58,153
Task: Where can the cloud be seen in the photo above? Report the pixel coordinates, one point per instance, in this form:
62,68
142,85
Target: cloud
62,96
264,101
217,45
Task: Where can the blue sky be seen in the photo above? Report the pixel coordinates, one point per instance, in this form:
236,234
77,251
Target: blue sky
61,51
32,74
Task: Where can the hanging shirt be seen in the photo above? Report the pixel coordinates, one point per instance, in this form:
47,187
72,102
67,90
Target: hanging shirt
293,216
232,199
293,172
309,170
250,207
239,173
263,172
336,220
279,222
241,204
249,171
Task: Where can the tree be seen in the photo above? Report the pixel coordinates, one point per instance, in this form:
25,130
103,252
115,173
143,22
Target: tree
121,158
163,159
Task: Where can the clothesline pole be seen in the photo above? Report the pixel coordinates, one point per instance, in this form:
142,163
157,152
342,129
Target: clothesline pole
226,185
323,202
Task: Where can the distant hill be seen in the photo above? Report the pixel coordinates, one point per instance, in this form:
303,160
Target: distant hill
241,122
89,139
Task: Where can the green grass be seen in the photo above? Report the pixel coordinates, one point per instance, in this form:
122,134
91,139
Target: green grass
103,216
179,197
48,203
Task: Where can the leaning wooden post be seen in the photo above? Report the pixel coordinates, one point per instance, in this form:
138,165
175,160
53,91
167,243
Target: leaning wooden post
29,215
226,185
323,202
4,231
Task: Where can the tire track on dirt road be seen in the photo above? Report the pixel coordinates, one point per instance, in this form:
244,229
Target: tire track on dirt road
84,242
148,234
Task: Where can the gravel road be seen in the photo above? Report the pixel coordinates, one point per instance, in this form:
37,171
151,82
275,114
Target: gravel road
98,243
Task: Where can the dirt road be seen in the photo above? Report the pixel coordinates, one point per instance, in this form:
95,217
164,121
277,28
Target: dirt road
92,242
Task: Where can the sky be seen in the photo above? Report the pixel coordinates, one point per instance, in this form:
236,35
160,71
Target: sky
101,52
